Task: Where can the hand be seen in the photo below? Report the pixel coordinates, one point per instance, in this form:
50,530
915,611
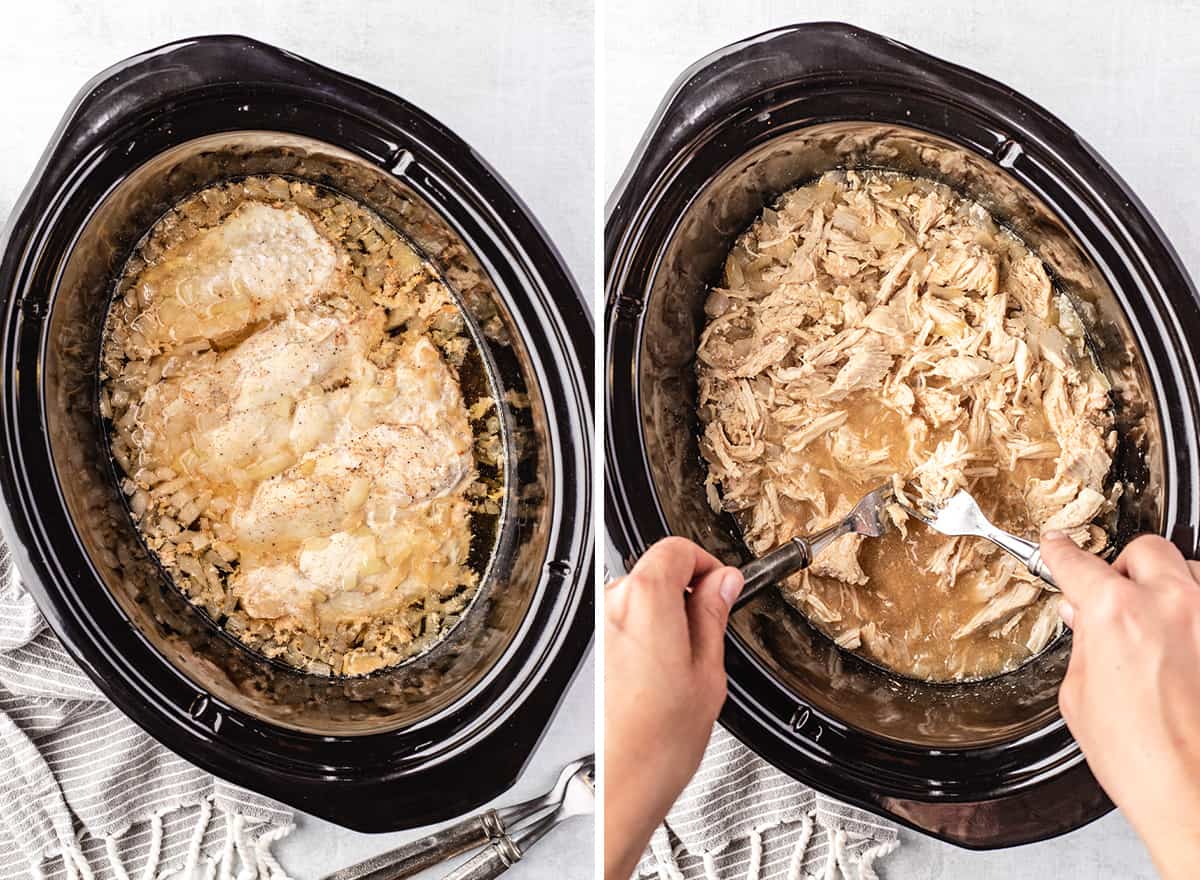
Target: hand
664,683
1131,696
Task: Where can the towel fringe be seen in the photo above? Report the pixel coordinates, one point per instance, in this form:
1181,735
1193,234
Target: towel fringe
245,852
156,837
665,858
192,862
843,854
801,849
756,846
114,857
257,862
843,859
232,825
837,845
268,867
75,861
85,869
866,861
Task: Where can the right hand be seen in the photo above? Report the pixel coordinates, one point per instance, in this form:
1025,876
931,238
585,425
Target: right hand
1131,696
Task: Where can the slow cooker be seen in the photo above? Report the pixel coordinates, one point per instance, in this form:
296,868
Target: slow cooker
413,744
983,765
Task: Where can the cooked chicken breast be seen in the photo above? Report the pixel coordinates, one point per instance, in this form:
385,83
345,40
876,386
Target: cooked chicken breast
397,467
255,265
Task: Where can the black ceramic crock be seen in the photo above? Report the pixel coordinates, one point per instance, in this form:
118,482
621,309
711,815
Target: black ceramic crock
982,765
403,747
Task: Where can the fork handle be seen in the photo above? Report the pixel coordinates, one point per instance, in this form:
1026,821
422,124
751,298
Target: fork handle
415,857
1028,552
490,862
759,573
787,559
506,850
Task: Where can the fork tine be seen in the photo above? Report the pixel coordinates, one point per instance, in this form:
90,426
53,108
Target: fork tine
912,509
868,513
914,512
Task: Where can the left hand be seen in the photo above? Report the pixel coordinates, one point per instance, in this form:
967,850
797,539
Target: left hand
664,684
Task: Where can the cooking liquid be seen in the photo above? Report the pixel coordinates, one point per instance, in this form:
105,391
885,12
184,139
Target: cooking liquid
901,598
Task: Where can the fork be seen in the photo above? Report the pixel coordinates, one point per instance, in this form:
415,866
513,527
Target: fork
960,515
798,553
491,825
579,799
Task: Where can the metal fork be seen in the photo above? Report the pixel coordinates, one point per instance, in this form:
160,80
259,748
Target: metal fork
865,519
508,849
414,857
960,515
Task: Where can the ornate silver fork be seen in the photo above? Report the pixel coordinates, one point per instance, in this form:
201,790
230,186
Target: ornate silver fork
960,515
579,799
490,827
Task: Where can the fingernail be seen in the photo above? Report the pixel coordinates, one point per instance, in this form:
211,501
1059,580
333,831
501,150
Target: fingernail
731,586
1066,611
1055,535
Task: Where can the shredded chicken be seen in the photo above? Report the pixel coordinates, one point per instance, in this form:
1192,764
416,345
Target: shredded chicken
873,327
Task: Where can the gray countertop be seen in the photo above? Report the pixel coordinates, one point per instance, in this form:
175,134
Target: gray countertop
515,82
1116,72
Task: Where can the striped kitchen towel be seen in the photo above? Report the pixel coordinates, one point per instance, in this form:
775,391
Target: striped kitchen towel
84,793
741,818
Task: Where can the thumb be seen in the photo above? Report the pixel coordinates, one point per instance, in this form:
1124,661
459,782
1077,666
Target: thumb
708,612
1078,573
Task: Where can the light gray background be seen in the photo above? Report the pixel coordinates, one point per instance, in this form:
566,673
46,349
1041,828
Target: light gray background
514,79
1120,73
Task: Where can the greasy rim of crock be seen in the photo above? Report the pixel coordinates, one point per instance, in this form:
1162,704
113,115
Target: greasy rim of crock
371,782
743,78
